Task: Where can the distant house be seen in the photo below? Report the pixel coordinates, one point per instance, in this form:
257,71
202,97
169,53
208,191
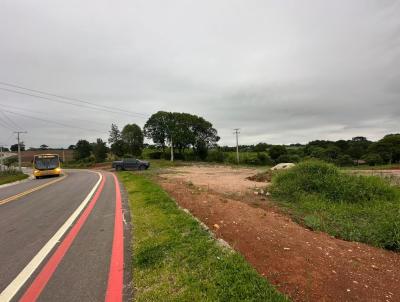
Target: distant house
360,162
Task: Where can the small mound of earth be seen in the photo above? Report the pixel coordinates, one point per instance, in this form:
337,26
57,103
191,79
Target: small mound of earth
261,177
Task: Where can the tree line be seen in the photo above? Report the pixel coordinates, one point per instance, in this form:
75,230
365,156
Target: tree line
358,150
176,135
177,131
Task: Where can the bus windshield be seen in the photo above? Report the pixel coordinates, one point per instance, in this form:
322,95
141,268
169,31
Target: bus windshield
47,162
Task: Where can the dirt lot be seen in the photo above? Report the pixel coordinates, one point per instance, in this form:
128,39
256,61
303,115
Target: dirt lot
306,265
222,179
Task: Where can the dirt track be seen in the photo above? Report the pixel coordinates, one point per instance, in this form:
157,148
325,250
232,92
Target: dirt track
306,265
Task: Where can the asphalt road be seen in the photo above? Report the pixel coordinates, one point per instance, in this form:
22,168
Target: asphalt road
62,239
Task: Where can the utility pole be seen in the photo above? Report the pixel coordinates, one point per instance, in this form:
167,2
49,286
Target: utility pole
19,148
172,149
237,144
1,158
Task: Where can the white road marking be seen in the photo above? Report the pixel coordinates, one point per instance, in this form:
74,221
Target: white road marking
11,290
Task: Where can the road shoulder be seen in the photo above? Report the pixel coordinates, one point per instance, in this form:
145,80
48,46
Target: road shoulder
174,258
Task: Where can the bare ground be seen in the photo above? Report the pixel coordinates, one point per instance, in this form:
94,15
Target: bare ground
306,265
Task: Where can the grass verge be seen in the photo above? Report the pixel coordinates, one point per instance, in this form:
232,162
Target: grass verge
351,207
11,176
174,259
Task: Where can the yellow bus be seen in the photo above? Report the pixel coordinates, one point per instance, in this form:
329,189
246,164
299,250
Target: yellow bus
46,164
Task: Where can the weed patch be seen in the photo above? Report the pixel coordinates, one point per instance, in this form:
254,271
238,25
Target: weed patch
174,259
11,176
356,208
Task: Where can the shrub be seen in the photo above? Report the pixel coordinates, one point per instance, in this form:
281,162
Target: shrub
264,159
276,151
216,156
284,158
155,155
9,172
345,160
259,159
201,150
10,161
356,208
316,177
373,159
177,156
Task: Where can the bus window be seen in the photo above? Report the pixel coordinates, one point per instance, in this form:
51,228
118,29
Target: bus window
47,163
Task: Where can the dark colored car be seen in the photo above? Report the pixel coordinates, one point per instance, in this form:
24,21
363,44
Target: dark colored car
130,164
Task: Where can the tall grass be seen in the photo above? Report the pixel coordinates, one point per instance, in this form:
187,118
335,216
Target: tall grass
11,175
357,208
174,259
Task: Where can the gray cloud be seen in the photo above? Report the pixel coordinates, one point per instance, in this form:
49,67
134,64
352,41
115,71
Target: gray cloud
282,72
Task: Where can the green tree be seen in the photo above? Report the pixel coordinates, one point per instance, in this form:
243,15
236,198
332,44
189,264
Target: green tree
156,128
132,135
44,147
181,131
119,148
276,151
114,134
100,150
331,153
260,147
342,144
344,160
14,148
82,149
203,135
388,148
358,147
373,159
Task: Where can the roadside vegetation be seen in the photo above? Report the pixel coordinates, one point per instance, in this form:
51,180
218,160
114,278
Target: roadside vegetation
174,259
188,137
351,207
11,175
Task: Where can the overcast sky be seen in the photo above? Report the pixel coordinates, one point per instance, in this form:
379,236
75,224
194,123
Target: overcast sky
282,71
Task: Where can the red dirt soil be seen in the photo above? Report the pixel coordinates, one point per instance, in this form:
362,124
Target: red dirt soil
305,265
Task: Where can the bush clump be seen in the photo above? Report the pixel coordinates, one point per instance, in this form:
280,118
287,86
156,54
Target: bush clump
326,180
11,175
356,208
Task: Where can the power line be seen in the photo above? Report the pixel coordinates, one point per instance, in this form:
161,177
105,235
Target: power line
14,124
87,105
52,122
72,99
33,111
4,124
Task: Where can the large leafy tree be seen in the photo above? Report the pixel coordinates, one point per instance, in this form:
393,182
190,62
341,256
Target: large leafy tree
204,136
132,135
100,150
82,149
14,148
358,146
276,151
114,134
388,148
181,131
118,146
157,128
